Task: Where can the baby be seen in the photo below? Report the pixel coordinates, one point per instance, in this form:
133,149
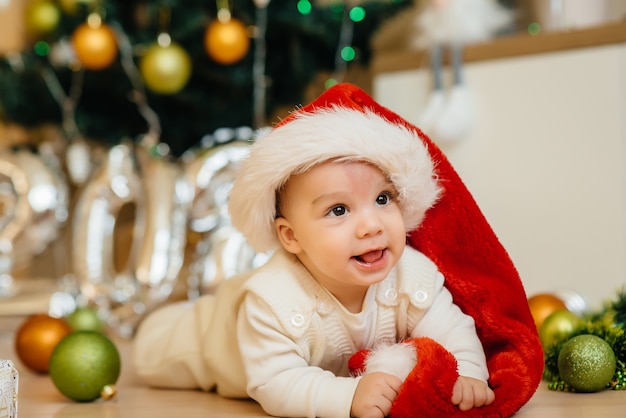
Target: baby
331,192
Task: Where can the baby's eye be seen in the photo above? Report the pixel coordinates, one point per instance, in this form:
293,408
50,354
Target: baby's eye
338,210
383,199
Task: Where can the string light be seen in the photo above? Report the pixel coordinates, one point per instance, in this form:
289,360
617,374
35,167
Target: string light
345,52
348,53
42,48
337,8
330,82
357,14
304,7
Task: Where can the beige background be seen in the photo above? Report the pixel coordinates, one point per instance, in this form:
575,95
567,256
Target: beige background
545,160
11,25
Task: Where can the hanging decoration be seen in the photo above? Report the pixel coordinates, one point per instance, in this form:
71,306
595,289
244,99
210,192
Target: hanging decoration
41,17
94,43
300,43
226,39
452,24
165,66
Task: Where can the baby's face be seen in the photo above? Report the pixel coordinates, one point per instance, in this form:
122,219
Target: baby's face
343,221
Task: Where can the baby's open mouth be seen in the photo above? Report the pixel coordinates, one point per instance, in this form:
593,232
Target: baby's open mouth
370,257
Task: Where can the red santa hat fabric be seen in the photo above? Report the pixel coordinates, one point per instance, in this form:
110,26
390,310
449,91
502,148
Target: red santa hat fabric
443,220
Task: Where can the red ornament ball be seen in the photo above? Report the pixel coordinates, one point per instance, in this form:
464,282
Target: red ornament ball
226,42
37,337
95,45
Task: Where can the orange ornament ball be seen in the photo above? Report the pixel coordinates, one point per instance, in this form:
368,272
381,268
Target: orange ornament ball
542,305
226,42
37,337
95,45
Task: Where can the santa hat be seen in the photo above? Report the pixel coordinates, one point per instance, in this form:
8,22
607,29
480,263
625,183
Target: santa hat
444,221
314,135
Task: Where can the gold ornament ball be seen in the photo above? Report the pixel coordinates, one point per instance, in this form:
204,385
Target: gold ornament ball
226,42
165,69
42,17
542,305
95,46
37,337
558,326
586,363
83,364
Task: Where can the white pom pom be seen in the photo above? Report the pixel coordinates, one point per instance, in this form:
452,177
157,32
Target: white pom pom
396,359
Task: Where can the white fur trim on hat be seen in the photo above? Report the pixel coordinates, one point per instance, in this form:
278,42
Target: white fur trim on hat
315,137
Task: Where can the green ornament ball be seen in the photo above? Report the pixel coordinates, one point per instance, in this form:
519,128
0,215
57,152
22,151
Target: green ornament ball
85,319
84,364
586,363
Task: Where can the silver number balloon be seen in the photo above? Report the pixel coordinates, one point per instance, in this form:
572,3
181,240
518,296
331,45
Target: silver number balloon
161,196
114,183
222,251
167,196
33,200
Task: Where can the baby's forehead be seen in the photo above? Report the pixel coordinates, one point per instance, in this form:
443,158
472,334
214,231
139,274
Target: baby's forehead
314,172
338,161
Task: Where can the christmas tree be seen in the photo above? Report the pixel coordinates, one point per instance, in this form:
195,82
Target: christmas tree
110,70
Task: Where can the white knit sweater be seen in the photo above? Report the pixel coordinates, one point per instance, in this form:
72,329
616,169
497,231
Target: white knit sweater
277,336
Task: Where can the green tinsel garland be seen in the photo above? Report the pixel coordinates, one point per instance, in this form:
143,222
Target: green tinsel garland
608,324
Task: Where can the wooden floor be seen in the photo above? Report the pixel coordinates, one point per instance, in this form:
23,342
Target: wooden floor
38,398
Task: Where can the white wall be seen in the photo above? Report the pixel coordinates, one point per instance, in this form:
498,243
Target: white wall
545,160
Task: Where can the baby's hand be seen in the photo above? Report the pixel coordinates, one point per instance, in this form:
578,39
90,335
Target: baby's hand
469,393
374,395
